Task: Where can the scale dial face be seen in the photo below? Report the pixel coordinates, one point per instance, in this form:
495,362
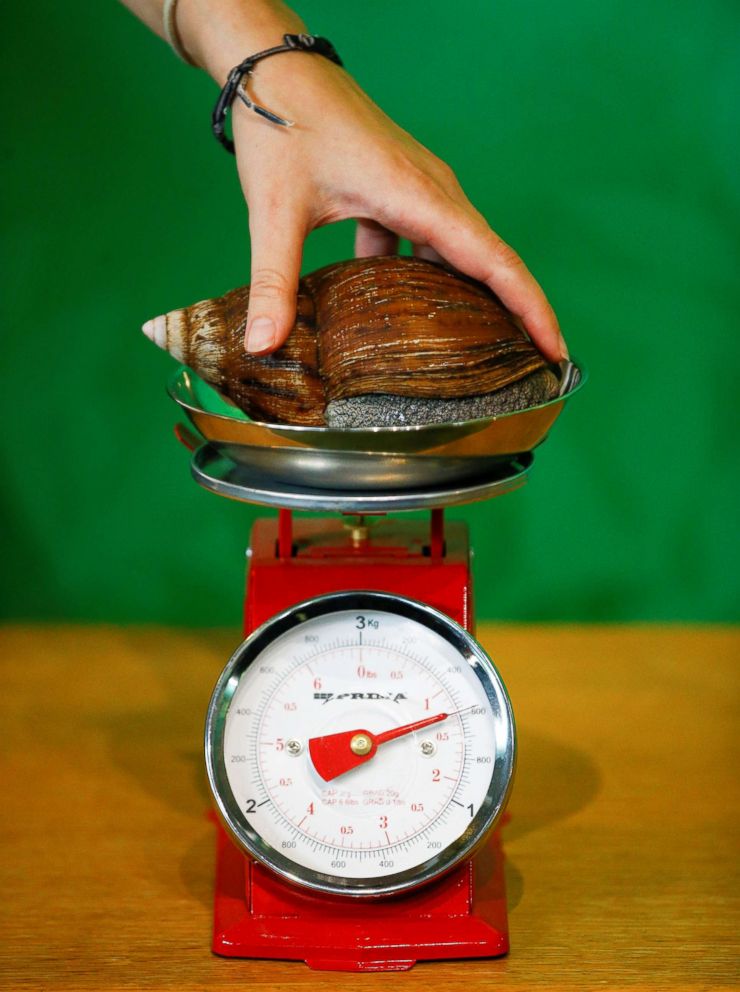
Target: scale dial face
360,744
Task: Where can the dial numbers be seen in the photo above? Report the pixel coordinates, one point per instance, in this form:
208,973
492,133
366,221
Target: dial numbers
360,749
314,683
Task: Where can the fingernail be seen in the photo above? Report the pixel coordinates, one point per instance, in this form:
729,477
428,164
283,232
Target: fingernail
564,348
260,334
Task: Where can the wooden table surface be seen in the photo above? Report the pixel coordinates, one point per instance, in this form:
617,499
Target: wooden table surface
622,847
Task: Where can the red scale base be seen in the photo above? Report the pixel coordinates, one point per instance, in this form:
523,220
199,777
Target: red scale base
256,914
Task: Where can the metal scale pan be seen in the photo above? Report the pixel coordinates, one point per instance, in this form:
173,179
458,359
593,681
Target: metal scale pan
225,477
399,464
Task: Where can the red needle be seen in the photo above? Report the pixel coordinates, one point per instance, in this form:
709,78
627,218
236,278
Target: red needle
408,728
336,754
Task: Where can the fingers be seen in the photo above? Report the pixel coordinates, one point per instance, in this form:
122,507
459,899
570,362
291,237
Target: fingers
464,239
431,209
424,251
277,236
372,238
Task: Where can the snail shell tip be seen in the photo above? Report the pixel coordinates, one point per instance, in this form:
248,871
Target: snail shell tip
169,331
156,330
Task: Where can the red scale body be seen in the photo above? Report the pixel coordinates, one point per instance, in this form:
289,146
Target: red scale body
257,915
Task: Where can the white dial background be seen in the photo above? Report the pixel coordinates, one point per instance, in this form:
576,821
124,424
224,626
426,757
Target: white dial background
361,670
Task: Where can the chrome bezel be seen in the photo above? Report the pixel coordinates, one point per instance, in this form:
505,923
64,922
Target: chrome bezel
502,772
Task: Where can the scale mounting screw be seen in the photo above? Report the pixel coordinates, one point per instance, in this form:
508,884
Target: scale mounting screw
293,747
428,748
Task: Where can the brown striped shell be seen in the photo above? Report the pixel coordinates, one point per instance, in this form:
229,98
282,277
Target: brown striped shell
390,325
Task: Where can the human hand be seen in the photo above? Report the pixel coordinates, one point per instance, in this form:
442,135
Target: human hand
345,158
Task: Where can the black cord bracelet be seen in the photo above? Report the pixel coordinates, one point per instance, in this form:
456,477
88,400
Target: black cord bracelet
232,89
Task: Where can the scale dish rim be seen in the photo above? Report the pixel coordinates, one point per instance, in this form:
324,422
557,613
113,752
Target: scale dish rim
298,431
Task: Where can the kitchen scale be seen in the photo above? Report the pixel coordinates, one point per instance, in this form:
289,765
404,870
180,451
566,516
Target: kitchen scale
360,744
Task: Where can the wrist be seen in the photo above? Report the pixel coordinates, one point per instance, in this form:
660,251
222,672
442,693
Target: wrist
219,34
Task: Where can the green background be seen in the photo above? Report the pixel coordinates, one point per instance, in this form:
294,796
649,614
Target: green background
600,139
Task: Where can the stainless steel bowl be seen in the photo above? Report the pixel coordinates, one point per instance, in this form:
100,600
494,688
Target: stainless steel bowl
367,459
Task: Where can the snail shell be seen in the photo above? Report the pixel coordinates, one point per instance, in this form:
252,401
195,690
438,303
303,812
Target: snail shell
387,326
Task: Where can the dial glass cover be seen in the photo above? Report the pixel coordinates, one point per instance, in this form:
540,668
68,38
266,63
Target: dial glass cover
360,743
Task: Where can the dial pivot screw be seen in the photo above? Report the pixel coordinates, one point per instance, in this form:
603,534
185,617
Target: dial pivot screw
361,745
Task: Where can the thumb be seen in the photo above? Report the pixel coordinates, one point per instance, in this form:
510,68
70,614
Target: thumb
277,248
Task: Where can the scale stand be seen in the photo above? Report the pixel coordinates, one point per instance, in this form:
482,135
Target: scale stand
258,915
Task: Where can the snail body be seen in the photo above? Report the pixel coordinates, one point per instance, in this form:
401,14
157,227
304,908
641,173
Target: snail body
377,341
